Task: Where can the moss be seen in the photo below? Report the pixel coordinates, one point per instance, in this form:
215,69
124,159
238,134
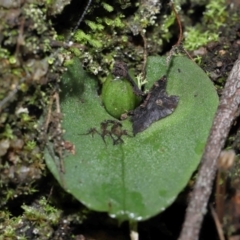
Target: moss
25,52
36,222
195,39
215,13
107,7
208,31
115,28
82,37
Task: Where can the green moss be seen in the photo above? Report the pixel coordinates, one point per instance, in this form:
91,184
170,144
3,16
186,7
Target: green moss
168,21
38,219
201,34
82,37
94,26
76,52
4,53
7,133
30,145
215,13
108,7
42,214
194,38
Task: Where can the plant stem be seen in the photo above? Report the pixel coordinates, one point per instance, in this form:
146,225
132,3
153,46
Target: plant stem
226,113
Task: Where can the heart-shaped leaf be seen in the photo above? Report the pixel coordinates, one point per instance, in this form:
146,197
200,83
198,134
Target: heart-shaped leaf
140,177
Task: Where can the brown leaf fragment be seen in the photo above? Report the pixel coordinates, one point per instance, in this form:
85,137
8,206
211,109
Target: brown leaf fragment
156,106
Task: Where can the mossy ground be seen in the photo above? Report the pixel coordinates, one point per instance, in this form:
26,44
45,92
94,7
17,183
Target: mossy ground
32,205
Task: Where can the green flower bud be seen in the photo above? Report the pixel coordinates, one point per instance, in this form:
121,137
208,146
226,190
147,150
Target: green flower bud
118,96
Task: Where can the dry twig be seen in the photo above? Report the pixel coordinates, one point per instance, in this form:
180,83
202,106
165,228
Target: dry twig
175,46
144,54
180,36
226,112
217,223
79,21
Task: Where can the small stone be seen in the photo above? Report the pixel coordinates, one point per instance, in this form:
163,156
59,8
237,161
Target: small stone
4,145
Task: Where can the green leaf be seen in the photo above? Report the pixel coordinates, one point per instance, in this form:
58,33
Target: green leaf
142,176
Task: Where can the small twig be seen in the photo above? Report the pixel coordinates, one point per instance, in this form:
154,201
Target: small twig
134,231
220,192
225,162
60,152
50,194
68,42
79,21
52,155
179,24
175,46
224,117
217,223
48,117
57,44
20,39
54,98
144,54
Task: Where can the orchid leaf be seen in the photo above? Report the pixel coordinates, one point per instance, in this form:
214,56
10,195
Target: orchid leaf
138,176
